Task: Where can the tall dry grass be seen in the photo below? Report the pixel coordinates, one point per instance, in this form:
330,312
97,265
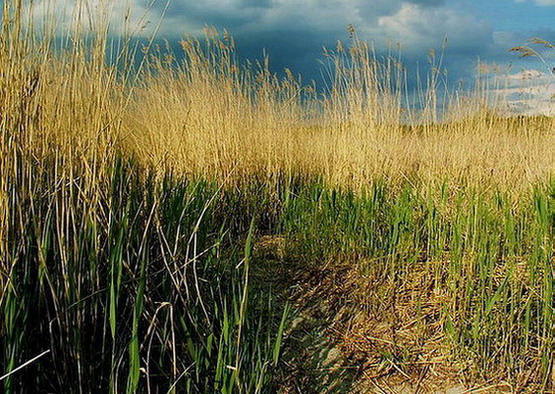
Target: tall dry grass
204,112
210,115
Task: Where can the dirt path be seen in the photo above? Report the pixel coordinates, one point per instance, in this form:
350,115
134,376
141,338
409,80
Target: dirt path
337,343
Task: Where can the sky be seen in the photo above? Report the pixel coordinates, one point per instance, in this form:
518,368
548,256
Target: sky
293,32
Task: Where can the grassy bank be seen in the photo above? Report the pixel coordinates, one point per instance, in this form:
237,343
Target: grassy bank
149,286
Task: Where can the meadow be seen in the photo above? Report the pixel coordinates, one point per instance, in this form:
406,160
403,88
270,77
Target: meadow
194,223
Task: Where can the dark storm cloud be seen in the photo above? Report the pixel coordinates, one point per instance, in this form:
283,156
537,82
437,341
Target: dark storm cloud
293,32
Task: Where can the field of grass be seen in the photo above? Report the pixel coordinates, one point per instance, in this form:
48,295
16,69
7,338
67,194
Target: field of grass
192,224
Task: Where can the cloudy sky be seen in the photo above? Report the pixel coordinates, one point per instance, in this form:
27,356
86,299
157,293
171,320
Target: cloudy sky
293,32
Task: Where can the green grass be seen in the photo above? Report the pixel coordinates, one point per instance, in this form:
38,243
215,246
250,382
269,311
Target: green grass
489,255
148,285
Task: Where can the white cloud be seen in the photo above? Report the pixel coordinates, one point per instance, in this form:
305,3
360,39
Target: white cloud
64,14
543,3
420,28
528,92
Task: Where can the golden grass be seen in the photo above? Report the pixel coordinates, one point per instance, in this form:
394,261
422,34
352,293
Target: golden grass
209,115
212,117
